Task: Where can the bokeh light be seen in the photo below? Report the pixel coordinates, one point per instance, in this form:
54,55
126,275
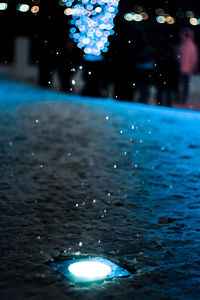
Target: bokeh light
160,19
23,7
132,16
35,9
144,15
3,6
92,23
159,11
137,18
170,20
129,16
68,11
193,21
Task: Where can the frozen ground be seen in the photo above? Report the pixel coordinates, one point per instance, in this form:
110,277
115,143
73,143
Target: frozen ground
122,179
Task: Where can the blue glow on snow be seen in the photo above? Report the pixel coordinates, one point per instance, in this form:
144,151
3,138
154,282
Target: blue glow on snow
94,23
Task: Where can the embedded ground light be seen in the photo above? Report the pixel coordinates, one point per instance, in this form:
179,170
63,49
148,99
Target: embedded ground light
86,270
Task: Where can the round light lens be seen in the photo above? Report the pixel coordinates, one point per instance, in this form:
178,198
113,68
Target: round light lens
89,269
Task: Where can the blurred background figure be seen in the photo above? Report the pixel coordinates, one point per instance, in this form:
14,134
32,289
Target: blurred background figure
167,76
143,74
57,51
93,75
187,54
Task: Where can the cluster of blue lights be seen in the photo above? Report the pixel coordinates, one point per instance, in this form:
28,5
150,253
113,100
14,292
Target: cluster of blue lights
92,23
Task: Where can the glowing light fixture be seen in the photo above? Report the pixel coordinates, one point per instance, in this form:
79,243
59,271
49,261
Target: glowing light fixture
3,6
89,269
23,7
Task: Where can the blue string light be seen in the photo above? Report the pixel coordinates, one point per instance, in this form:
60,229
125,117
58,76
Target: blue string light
92,23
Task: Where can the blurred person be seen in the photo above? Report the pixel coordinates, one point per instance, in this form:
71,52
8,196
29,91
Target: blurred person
167,76
57,50
187,55
93,74
143,72
130,41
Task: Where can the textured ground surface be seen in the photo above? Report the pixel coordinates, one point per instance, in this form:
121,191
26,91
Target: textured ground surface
122,179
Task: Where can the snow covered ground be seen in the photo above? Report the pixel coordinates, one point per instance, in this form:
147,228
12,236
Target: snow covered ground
84,176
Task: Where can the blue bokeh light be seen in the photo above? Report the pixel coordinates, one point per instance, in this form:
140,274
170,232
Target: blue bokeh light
94,22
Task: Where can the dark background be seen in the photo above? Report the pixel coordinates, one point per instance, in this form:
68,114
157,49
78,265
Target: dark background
14,23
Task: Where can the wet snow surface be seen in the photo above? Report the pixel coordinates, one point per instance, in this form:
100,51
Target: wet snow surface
99,178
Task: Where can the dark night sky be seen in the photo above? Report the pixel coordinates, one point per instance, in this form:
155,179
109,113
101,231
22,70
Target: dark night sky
169,5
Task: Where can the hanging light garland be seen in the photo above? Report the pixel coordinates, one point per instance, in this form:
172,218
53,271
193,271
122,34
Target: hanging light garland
92,23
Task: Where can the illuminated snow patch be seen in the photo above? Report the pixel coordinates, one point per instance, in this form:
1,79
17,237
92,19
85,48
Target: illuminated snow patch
85,270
